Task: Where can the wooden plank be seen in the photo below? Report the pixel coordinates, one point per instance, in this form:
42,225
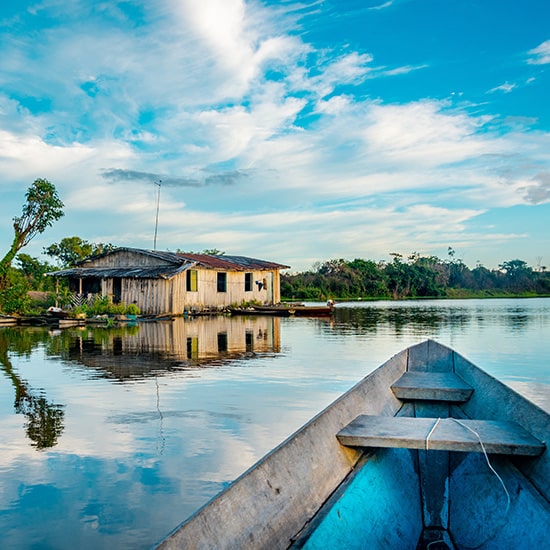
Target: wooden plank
445,434
432,386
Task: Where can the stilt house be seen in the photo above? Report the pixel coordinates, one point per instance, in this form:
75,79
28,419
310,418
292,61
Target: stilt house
175,283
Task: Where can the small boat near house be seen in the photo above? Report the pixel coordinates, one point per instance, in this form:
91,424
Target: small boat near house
287,310
427,451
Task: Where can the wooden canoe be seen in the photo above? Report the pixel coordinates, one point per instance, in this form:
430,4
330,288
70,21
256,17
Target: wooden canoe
284,310
427,451
266,310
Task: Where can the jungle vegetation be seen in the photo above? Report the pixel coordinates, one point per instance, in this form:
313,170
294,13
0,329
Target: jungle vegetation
415,276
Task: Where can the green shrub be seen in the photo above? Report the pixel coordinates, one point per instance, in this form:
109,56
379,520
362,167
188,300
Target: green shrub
132,309
15,298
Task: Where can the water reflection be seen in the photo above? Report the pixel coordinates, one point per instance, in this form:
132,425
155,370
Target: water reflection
44,418
152,348
127,353
422,321
421,318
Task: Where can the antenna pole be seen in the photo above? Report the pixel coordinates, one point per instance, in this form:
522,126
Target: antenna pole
157,217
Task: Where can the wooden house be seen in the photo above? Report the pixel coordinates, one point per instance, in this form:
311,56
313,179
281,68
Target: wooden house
173,282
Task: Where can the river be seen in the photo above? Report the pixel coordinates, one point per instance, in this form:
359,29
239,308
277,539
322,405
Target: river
112,436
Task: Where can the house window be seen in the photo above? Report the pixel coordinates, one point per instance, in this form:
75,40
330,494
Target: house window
192,348
192,280
222,282
222,342
249,340
248,282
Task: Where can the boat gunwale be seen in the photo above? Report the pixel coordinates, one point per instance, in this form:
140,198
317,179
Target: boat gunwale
534,469
347,458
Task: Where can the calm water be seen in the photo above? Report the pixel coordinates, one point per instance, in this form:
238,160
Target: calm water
111,437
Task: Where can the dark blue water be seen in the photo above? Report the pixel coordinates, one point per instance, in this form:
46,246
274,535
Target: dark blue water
110,437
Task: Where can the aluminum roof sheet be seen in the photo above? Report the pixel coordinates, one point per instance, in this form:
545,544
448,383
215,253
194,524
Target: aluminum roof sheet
154,272
231,263
180,262
166,256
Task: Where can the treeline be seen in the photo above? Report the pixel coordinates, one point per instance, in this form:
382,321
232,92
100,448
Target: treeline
414,277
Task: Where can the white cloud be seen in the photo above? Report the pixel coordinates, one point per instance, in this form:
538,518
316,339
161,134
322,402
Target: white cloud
507,87
540,55
406,69
422,133
382,6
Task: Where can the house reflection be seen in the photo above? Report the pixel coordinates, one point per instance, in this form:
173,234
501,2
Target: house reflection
150,348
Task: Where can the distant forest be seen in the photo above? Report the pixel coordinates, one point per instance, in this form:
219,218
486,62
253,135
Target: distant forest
414,277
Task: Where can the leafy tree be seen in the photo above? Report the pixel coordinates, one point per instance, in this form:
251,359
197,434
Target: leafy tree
399,277
33,269
72,250
518,275
373,279
428,278
42,208
14,297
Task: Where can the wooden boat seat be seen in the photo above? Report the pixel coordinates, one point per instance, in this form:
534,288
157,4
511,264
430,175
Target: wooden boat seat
445,434
432,386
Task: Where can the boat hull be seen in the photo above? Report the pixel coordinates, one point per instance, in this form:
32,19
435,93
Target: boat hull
313,492
285,311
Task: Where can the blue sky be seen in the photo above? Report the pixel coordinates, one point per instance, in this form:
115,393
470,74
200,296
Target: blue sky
290,131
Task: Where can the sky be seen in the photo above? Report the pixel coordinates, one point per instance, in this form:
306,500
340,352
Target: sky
290,131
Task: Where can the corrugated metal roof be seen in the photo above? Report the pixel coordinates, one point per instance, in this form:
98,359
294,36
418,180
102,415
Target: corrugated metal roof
180,262
166,256
154,272
232,263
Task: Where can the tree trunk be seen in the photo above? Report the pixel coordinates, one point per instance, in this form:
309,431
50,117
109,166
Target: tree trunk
5,264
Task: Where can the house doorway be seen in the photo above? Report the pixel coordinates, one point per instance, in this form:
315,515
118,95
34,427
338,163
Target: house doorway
117,290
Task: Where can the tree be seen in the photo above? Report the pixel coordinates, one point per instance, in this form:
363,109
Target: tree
33,269
72,250
42,208
518,275
399,277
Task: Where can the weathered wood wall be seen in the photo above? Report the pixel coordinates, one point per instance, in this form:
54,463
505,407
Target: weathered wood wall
152,296
207,295
170,296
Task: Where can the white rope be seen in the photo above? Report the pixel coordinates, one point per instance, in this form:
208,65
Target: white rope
431,432
488,463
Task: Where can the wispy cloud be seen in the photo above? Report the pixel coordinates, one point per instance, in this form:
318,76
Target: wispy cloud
540,55
507,87
406,69
382,6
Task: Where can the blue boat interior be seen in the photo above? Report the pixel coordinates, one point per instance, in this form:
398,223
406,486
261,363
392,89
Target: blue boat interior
432,477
